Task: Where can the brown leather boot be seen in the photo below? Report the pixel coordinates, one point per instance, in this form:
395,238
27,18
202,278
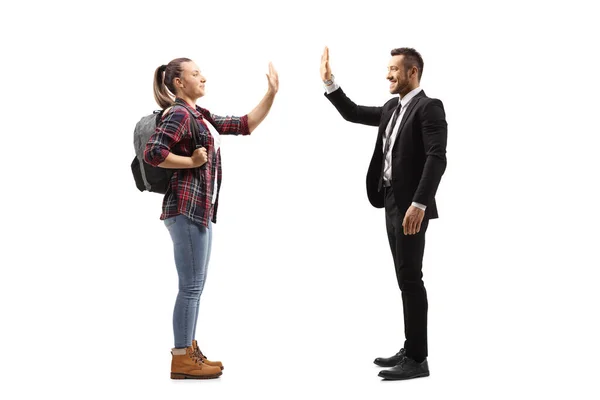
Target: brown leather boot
203,358
187,365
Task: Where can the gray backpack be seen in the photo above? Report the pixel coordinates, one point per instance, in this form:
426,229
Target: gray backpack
147,177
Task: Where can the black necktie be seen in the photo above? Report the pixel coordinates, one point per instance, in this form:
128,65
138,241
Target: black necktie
388,141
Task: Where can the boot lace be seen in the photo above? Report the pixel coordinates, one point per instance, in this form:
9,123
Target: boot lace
194,356
200,355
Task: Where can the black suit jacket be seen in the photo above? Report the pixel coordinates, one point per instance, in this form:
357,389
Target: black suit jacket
418,154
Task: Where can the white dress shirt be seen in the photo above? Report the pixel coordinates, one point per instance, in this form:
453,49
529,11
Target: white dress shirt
387,167
404,101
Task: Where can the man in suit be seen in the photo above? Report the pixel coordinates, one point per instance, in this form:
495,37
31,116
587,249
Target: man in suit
408,162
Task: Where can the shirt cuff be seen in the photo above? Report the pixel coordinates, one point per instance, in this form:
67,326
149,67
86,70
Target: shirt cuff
419,205
245,127
152,158
331,88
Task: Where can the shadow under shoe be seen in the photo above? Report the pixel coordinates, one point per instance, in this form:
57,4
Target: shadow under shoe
390,361
186,365
407,368
203,358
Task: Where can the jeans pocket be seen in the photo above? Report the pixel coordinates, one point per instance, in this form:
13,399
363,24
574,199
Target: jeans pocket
170,221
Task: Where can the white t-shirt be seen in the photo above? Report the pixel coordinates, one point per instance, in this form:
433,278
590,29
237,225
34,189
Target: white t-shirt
217,139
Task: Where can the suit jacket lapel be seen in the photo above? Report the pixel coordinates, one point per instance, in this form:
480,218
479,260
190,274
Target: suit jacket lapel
410,110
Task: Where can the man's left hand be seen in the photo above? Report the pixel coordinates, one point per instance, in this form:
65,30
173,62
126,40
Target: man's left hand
412,220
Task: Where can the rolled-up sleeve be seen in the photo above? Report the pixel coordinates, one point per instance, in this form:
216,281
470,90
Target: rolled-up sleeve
167,134
230,125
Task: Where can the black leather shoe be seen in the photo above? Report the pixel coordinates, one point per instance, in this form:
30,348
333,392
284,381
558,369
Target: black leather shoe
391,361
406,369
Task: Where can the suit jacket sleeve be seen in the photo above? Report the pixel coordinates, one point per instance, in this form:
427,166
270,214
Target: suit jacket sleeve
352,112
435,133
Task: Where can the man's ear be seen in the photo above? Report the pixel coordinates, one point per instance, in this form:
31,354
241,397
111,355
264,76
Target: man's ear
414,71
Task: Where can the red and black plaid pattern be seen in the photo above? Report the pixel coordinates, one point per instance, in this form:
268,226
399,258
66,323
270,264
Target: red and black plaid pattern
190,191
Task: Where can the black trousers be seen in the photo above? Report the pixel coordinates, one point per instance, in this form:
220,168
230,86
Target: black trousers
407,251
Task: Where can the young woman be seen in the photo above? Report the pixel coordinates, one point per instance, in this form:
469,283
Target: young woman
187,139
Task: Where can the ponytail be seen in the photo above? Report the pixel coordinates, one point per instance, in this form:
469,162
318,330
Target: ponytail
161,94
164,91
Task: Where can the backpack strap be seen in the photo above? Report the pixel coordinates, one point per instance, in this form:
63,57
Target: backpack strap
195,132
194,128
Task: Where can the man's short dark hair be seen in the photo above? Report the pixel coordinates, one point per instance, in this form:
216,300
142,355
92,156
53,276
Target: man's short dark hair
412,58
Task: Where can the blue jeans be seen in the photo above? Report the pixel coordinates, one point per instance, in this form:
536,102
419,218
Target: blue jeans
191,244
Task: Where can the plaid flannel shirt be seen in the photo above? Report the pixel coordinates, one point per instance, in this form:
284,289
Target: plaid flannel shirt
191,189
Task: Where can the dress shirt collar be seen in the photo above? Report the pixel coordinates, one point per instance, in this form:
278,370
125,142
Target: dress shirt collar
409,96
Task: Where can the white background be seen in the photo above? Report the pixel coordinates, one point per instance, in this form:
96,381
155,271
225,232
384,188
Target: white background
301,293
